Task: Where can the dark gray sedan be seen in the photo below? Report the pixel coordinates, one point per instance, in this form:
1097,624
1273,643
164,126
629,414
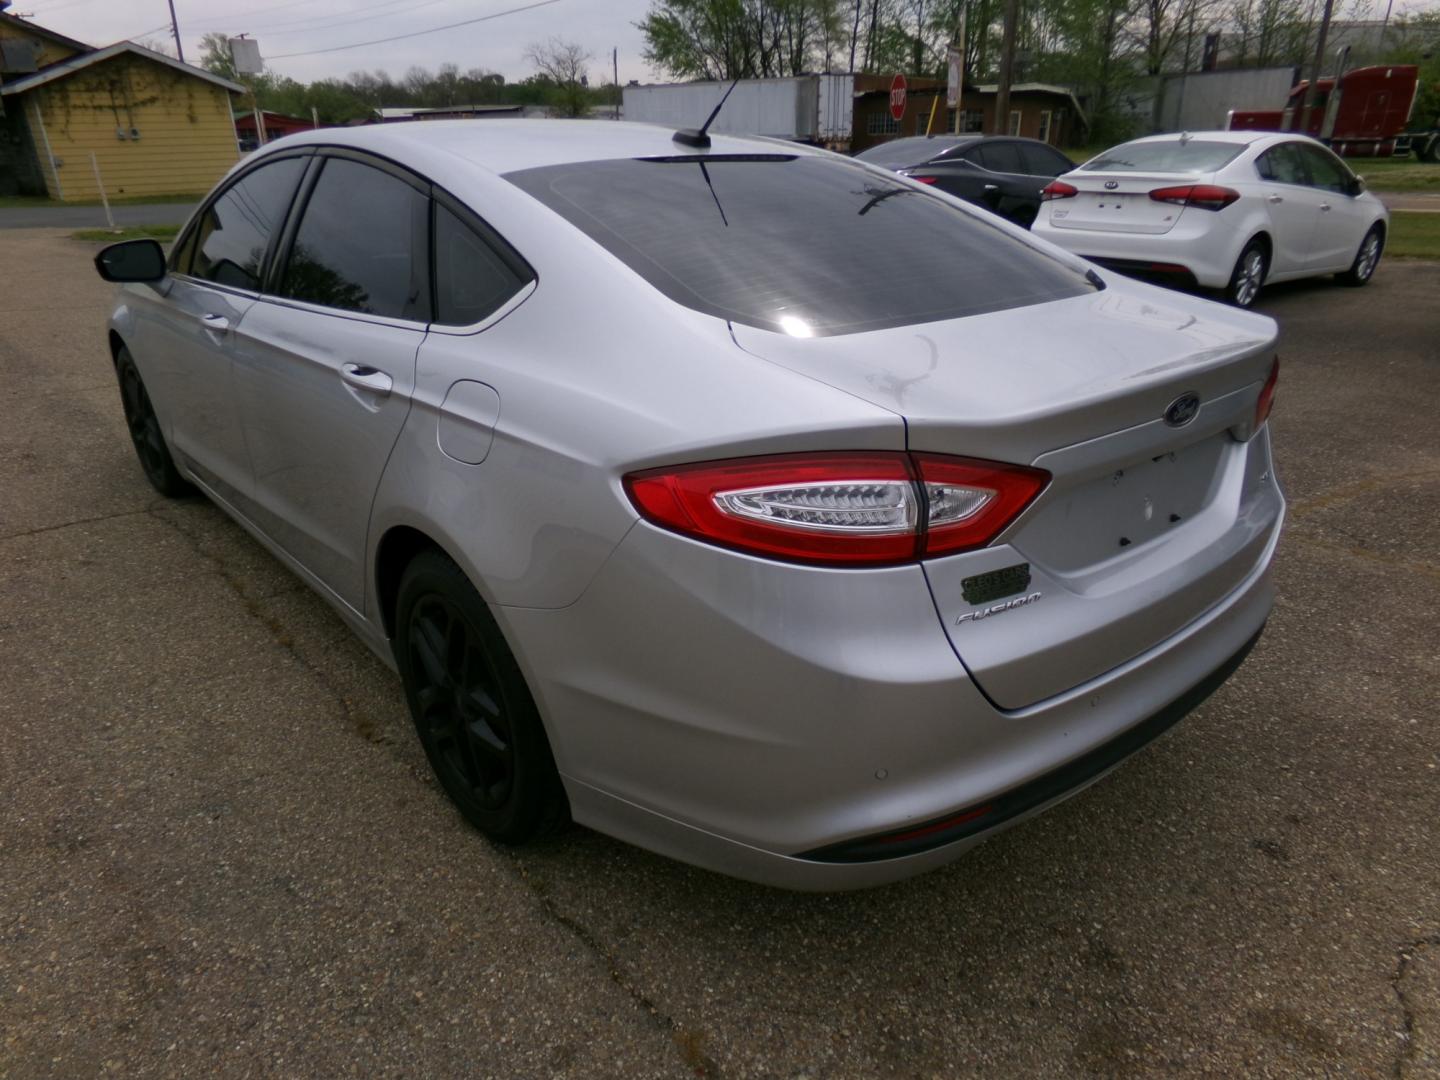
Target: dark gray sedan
1004,174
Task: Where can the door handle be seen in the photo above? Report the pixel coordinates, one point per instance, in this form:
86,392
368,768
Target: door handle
991,187
366,378
216,324
1275,198
1324,206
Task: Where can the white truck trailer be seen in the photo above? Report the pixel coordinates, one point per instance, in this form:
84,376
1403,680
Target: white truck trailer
815,109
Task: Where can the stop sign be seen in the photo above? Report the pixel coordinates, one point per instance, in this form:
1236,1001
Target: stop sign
897,97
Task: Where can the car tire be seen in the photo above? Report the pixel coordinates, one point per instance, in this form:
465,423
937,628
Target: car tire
472,709
145,431
1248,276
1366,259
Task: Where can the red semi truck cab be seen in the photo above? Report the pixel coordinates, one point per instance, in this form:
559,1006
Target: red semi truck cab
1364,118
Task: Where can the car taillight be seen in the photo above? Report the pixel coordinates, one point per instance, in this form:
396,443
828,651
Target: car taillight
1058,189
838,509
1205,196
923,179
1266,401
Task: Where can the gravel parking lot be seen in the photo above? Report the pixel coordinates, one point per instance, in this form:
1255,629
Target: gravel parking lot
221,852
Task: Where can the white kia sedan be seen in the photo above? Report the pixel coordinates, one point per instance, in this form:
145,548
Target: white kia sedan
1229,210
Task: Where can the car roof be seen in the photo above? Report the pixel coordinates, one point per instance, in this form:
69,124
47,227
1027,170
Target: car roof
505,145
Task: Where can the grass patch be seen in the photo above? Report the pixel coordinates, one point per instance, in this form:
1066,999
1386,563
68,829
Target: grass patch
21,202
1413,235
132,232
1397,174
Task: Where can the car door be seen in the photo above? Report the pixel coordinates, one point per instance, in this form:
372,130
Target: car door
325,360
1342,220
1293,206
184,338
1009,190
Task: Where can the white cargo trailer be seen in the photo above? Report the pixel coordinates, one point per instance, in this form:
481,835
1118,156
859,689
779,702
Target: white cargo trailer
816,109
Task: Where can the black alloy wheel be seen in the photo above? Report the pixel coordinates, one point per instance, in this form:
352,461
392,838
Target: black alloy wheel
145,434
472,710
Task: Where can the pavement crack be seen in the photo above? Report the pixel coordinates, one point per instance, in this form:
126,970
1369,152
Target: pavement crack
688,1043
1379,558
364,725
1404,955
71,524
1300,508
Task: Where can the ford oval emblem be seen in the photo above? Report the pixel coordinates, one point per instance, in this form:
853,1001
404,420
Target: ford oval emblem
1111,185
1182,410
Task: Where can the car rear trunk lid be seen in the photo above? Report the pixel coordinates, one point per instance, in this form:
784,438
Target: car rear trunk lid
1143,527
1106,202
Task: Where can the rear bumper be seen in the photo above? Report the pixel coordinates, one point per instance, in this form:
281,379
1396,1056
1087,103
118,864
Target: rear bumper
1042,791
753,718
1203,246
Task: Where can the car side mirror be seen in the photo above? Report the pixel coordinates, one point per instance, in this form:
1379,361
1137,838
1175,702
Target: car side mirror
1357,186
131,260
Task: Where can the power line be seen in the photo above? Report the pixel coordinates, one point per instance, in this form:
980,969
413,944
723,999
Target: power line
331,20
419,33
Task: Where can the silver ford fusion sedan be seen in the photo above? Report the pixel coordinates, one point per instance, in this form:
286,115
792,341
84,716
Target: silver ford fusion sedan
744,502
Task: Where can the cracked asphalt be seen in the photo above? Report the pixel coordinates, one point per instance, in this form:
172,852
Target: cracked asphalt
221,853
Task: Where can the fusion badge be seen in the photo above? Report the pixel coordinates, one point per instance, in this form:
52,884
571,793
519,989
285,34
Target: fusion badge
997,609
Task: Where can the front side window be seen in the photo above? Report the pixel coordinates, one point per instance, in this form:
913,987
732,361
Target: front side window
1326,171
235,230
771,241
362,244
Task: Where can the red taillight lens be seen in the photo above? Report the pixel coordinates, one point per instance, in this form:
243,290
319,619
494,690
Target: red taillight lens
1058,189
1205,196
842,509
924,179
969,502
1266,400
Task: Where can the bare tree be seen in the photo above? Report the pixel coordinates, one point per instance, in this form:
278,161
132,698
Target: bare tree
563,65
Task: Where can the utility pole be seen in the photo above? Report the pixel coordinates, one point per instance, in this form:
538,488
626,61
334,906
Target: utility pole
615,66
1007,64
1304,117
175,29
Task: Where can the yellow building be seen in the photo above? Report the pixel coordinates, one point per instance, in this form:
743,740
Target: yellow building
145,123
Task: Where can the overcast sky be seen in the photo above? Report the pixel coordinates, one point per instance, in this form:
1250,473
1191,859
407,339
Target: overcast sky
296,26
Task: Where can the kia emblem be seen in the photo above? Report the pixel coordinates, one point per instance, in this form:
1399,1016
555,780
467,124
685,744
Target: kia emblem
1111,185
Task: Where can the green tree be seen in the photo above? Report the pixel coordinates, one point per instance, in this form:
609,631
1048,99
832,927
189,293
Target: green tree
561,67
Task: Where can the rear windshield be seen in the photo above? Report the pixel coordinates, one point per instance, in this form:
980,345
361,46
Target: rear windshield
1191,156
897,153
805,245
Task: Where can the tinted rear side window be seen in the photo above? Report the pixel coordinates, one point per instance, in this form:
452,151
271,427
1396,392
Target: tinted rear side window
1001,157
1042,161
236,228
362,244
898,153
472,279
803,245
1193,156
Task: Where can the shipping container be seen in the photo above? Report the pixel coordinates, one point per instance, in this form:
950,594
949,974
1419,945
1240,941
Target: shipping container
815,109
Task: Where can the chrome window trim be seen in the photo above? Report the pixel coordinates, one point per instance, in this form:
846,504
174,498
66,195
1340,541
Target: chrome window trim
516,299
